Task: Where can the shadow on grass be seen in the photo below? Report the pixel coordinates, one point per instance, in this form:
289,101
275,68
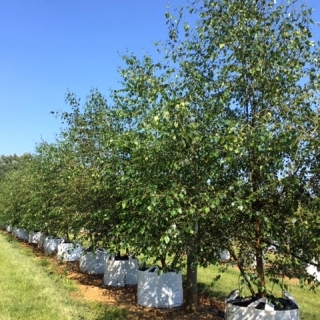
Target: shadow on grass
112,313
207,291
210,292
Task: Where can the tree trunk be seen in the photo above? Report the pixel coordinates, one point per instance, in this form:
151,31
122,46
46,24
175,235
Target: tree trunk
257,206
191,288
163,262
259,259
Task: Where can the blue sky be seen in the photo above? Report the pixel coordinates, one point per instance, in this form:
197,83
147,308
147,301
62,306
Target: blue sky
50,46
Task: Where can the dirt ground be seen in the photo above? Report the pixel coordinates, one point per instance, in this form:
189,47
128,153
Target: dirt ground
92,288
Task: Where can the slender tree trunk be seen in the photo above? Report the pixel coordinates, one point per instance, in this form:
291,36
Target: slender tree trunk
163,262
257,205
259,259
191,288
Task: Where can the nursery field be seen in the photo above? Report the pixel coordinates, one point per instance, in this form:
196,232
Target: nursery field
205,153
37,286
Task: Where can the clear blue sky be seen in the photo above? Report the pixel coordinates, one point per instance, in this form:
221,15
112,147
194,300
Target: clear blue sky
50,46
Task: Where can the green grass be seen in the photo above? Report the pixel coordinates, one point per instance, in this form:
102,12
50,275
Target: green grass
307,300
30,289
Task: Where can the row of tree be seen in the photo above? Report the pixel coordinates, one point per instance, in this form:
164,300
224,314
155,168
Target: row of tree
214,147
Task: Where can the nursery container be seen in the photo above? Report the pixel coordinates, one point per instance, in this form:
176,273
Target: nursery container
312,270
93,262
68,251
22,234
35,237
15,231
253,308
119,273
159,290
50,244
225,255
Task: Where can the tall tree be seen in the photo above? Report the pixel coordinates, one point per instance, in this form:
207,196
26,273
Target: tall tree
259,59
174,179
93,178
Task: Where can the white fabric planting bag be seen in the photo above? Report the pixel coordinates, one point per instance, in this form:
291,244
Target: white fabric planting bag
250,312
50,244
35,237
15,231
159,290
312,270
225,255
22,234
93,262
69,251
119,273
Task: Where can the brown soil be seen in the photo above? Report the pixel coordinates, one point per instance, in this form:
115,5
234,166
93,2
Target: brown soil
92,288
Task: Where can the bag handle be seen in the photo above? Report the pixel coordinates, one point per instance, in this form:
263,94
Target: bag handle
288,296
232,295
152,267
